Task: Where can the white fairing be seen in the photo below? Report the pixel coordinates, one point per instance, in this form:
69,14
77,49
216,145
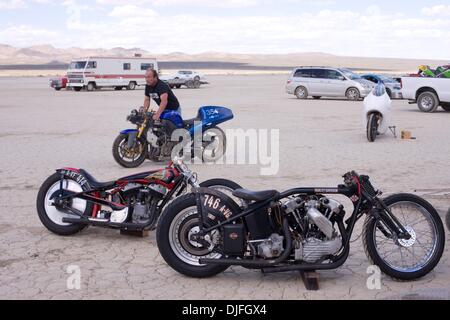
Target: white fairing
381,104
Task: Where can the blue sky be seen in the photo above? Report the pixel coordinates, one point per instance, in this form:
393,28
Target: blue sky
410,29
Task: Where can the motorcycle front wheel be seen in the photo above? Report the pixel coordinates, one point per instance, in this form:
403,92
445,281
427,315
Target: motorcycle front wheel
177,223
372,127
129,157
400,258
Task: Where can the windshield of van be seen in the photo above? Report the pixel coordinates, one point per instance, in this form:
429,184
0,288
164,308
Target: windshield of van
350,74
77,65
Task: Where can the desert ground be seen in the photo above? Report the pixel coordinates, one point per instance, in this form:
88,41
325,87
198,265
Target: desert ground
41,130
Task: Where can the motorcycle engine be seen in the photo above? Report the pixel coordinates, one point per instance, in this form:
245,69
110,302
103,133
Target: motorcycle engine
272,247
319,238
145,204
313,249
160,140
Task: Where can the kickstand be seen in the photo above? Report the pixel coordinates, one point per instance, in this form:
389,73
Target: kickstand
310,279
393,130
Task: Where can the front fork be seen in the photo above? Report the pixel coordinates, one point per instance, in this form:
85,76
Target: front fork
382,213
135,136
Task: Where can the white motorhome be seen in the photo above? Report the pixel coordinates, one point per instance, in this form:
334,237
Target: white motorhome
97,72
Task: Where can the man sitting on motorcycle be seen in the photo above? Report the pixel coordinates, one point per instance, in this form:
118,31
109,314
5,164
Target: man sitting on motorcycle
161,93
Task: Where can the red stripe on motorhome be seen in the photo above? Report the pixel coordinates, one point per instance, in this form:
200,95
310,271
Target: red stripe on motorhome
116,76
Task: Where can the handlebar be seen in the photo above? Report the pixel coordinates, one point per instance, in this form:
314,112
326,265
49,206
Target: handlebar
362,182
351,178
190,176
139,117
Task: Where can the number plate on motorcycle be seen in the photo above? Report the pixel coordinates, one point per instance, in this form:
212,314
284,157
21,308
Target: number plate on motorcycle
214,206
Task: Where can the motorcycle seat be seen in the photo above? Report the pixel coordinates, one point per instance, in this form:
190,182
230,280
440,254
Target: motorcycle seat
254,195
96,184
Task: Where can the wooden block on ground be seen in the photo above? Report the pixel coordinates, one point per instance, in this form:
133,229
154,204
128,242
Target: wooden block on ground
406,135
311,280
135,233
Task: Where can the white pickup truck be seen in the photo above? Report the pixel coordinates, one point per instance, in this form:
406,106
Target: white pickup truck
428,93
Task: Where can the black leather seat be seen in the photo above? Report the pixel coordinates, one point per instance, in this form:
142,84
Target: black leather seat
96,184
254,195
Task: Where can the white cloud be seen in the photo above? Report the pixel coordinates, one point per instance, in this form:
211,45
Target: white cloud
121,2
208,3
25,35
211,3
343,32
439,10
131,11
20,4
370,32
12,4
203,3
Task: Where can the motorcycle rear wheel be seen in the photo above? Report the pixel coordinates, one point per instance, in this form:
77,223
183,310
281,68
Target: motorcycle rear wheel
50,216
422,221
225,186
214,144
121,152
177,222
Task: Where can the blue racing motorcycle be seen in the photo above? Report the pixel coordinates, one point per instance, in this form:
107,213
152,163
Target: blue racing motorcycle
157,140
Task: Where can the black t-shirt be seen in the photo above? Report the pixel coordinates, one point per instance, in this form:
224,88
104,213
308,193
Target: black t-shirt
159,89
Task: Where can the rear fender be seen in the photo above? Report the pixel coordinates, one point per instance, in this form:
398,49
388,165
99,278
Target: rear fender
214,206
76,175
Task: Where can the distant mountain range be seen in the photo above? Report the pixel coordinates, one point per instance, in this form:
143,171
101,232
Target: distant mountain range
47,56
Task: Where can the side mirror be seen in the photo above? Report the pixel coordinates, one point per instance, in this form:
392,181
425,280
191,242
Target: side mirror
342,78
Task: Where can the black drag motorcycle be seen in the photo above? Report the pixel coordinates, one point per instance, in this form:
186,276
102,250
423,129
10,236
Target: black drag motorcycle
72,199
203,233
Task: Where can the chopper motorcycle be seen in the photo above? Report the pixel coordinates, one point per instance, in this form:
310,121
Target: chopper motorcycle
72,199
302,229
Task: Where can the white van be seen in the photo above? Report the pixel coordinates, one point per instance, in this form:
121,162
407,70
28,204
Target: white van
97,72
320,82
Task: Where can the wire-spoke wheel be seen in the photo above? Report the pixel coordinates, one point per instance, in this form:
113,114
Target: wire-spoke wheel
406,259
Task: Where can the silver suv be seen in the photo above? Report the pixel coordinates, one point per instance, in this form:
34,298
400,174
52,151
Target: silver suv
320,82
